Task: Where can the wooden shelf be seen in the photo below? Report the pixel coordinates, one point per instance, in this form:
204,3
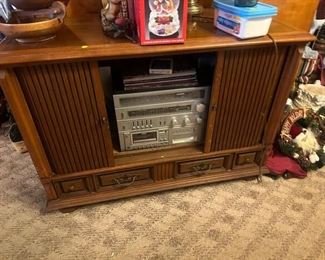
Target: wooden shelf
83,38
164,154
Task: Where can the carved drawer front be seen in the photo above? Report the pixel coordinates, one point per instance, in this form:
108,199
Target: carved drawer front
72,187
123,179
201,167
245,159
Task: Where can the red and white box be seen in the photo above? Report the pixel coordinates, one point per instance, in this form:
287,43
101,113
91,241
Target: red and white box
161,21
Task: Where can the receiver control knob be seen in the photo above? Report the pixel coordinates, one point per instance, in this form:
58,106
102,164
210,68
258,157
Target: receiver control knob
200,107
199,120
186,121
173,121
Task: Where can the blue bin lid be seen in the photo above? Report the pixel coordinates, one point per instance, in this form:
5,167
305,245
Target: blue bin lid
258,10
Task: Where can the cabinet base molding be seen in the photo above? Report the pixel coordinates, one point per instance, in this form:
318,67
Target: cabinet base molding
109,195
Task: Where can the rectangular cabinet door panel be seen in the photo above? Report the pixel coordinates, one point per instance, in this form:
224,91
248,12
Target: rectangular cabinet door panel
247,87
63,102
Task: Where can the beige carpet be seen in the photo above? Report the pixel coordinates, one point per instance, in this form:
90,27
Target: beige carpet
233,220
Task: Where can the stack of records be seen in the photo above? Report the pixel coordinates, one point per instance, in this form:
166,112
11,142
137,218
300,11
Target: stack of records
178,79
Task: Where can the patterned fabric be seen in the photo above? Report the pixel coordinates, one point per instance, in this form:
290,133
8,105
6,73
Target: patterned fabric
309,66
231,220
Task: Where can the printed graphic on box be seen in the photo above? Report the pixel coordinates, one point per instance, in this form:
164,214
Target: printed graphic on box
162,21
228,22
163,18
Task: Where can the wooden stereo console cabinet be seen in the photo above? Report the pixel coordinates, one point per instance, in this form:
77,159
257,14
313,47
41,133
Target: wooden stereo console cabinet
57,95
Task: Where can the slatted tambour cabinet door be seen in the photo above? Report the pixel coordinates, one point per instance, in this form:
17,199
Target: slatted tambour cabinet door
68,109
246,89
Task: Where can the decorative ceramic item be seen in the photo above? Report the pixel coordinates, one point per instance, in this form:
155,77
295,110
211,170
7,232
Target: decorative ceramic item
117,19
31,5
36,26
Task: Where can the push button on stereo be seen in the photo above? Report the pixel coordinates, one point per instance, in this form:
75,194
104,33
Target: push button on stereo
173,121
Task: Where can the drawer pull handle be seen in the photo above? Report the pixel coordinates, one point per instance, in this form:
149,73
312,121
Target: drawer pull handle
124,181
201,169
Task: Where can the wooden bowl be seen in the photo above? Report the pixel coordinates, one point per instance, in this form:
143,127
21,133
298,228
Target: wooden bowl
35,31
31,5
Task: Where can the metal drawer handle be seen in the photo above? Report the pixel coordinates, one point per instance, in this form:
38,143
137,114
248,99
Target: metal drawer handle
201,169
125,181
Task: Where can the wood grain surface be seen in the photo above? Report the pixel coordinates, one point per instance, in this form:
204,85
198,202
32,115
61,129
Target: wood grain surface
82,38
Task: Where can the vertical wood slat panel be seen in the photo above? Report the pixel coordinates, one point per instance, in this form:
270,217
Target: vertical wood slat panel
98,133
71,111
80,122
248,78
164,171
222,107
79,89
260,66
62,98
269,95
215,92
227,96
102,113
89,117
43,124
248,84
267,69
233,101
52,101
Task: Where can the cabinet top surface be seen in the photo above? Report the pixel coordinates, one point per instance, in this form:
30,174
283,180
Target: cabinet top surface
84,39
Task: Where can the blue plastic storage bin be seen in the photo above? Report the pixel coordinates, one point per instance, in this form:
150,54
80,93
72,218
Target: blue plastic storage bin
243,22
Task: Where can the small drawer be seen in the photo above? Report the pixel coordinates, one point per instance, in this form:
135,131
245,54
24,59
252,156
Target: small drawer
245,158
201,167
72,187
123,179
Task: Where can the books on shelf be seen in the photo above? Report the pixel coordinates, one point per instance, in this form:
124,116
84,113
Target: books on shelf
178,79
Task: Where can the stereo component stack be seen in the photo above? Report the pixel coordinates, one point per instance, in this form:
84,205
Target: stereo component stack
161,118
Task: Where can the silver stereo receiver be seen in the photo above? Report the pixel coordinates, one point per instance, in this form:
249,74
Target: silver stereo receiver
161,118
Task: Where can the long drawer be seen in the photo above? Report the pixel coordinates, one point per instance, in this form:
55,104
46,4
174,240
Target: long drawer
201,167
122,180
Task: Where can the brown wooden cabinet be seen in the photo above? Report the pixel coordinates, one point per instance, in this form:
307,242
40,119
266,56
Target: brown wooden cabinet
56,94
